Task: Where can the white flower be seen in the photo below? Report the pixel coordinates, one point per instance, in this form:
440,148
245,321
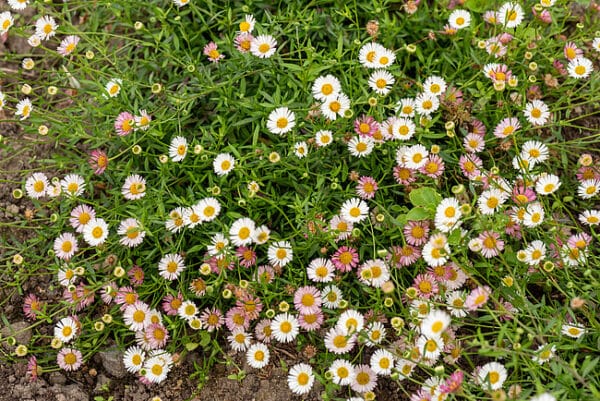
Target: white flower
281,120
263,46
300,378
280,253
335,106
95,232
301,149
258,355
537,112
534,215
113,87
178,148
6,21
325,87
510,15
415,157
382,362
73,185
580,67
170,266
323,138
66,329
572,330
65,246
157,366
354,210
381,82
132,233
403,129
45,27
134,187
24,108
133,359
447,214
285,327
18,4
223,164
36,186
361,146
588,188
350,322
342,372
434,324
459,19
547,184
370,53
242,231
426,103
406,107
209,209
435,85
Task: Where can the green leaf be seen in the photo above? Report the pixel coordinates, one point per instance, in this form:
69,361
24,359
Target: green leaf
204,339
425,197
477,6
191,346
418,213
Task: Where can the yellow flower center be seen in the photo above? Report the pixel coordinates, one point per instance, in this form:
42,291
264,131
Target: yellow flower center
435,88
494,377
580,70
47,29
285,327
489,243
492,202
244,233
450,211
244,26
381,83
327,89
437,326
343,372
157,369
282,122
370,56
139,316
427,104
97,232
264,48
363,378
340,341
259,356
335,106
460,21
308,300
303,378
361,147
70,358
281,254
172,266
66,331
136,359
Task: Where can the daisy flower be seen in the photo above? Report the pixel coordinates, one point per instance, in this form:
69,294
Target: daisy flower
300,378
73,185
211,50
508,126
137,316
415,157
285,327
341,227
175,222
338,341
510,15
262,235
459,19
243,42
455,300
406,107
32,306
65,246
366,188
477,298
403,129
572,330
361,146
544,396
354,210
342,372
258,355
180,3
170,266
374,273
326,87
368,54
157,366
281,121
323,138
544,353
280,253
492,375
547,184
24,108
434,85
534,215
384,58
98,161
382,362
300,149
430,347
187,310
178,148
125,123
535,253
45,27
18,4
366,126
365,379
68,45
239,339
331,296
113,87
587,189
134,358
491,200
381,82
580,67
596,44
447,214
212,319
132,233
134,187
350,322
590,217
307,300
375,333
6,21
571,51
426,104
537,112
263,46
192,216
416,232
491,244
66,329
209,209
223,164
95,232
241,231
335,106
247,25
435,323
69,359
320,270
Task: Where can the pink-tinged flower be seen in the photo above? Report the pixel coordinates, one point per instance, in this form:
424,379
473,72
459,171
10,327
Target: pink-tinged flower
98,161
491,244
422,394
588,173
474,143
453,96
251,305
265,274
571,51
426,286
126,296
65,246
477,127
470,166
416,232
523,195
32,306
80,216
69,359
579,241
171,303
143,120
559,67
433,167
402,256
311,321
33,370
213,54
236,318
366,125
544,16
212,319
242,41
505,38
246,256
85,296
477,298
136,275
125,123
507,127
155,336
453,383
499,73
345,259
366,188
307,300
263,331
404,175
218,264
513,229
68,45
495,48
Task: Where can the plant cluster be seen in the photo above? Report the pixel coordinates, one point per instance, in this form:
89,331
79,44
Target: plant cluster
399,192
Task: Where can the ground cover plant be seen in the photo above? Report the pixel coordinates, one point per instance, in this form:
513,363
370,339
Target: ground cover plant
400,192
